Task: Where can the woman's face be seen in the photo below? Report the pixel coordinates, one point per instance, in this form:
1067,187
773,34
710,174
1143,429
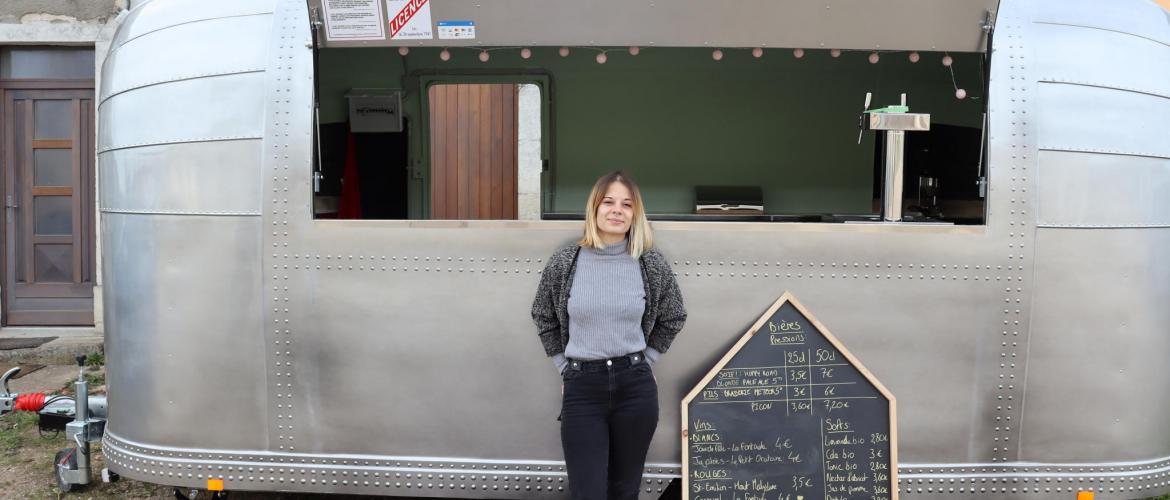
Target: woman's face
616,211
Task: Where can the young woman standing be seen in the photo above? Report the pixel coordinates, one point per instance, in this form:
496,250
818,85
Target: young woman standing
607,307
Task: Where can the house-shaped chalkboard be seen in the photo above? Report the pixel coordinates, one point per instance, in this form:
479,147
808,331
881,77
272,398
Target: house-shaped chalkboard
789,413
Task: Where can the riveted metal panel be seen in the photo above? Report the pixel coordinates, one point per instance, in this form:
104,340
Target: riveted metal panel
149,17
846,24
285,171
1083,118
463,478
355,474
1143,19
1074,54
192,178
182,330
1011,212
1098,372
366,277
874,302
1132,479
1090,190
242,50
214,108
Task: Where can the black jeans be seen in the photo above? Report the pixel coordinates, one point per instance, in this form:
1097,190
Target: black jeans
608,416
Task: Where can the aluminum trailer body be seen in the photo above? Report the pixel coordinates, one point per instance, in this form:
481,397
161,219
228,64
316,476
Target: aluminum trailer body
249,342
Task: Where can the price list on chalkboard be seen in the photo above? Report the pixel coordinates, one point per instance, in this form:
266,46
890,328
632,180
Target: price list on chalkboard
789,414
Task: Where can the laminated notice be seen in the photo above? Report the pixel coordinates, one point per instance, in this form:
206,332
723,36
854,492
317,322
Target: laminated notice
353,20
456,30
410,19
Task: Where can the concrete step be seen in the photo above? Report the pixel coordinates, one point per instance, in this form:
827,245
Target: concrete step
69,343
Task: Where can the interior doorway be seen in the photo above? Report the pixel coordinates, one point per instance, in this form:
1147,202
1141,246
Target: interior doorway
473,141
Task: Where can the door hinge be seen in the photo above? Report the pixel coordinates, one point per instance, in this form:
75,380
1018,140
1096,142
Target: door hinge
315,18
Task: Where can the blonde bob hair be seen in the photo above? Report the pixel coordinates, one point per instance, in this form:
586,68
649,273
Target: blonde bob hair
639,238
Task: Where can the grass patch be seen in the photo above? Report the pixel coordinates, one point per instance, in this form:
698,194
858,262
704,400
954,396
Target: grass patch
22,444
16,431
95,359
94,376
95,379
13,430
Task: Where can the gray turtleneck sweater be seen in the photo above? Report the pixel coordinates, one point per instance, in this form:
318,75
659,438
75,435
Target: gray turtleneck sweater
606,302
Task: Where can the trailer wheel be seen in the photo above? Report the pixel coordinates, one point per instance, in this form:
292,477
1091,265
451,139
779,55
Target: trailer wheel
65,459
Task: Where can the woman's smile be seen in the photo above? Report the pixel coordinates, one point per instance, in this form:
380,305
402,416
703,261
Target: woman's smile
614,213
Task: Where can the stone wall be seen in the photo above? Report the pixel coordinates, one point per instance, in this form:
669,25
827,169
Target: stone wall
59,11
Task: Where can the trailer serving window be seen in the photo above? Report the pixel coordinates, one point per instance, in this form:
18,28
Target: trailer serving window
734,134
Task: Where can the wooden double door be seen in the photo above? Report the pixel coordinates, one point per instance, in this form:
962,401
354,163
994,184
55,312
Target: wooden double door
49,212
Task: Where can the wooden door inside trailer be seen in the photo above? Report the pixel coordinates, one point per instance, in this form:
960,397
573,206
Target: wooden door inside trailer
473,141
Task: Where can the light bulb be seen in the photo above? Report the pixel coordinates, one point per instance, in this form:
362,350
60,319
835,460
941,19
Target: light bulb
798,53
445,55
564,52
757,52
961,94
483,56
874,57
525,53
717,55
403,51
634,51
914,57
948,61
835,53
601,58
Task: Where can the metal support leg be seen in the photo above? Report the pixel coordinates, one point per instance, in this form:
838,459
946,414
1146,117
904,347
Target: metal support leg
892,195
72,466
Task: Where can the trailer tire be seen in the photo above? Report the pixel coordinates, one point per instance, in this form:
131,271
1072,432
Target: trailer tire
65,459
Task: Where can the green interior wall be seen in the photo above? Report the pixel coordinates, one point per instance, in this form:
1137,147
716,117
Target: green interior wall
675,118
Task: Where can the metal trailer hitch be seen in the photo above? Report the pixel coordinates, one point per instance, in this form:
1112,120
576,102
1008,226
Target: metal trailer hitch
84,422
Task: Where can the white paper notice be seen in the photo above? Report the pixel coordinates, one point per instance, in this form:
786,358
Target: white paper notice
409,19
353,20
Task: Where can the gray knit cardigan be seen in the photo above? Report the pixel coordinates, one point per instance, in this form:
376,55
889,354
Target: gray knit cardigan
661,322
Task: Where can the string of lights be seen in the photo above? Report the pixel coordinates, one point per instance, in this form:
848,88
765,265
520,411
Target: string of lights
716,54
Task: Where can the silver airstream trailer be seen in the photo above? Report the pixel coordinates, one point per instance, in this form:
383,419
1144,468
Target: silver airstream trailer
253,342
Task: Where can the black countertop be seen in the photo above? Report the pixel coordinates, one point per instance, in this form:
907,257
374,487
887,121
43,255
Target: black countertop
820,218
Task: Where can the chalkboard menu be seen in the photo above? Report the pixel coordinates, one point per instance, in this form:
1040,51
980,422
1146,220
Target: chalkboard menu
789,414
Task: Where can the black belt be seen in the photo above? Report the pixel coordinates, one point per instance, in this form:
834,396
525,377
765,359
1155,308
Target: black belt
630,359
